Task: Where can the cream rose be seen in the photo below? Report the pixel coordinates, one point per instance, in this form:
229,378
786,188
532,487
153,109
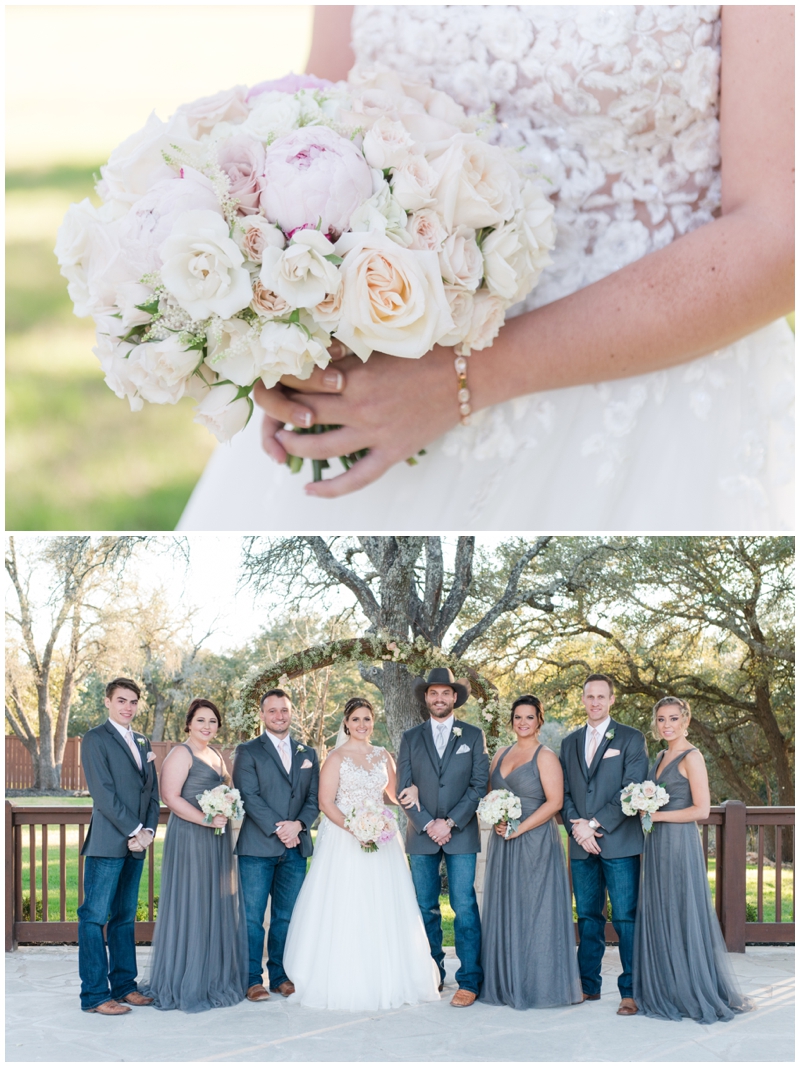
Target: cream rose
460,259
268,304
253,234
460,302
290,349
413,183
502,249
301,274
161,369
477,185
223,411
488,315
393,298
387,144
203,267
426,230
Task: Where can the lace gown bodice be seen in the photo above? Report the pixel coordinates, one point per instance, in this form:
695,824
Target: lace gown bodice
617,107
358,784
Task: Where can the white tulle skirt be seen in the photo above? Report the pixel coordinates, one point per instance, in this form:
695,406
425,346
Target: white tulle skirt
356,941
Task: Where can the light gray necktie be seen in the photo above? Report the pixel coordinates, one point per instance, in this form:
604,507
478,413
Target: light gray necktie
441,729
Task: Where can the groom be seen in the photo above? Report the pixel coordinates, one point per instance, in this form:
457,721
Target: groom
278,780
446,760
598,760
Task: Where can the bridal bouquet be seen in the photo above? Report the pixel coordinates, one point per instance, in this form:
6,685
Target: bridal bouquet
644,797
236,239
221,800
501,805
372,825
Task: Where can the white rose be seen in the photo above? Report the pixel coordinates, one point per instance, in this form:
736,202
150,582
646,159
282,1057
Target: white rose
301,274
413,183
203,267
235,352
289,349
161,369
381,214
393,298
112,355
477,186
461,260
223,411
137,164
228,105
488,315
199,383
502,249
387,144
254,233
76,236
460,302
427,230
130,295
329,311
274,114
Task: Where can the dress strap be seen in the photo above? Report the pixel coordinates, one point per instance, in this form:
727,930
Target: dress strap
535,760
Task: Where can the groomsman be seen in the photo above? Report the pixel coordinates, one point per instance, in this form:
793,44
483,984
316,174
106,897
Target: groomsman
279,781
598,760
446,760
120,773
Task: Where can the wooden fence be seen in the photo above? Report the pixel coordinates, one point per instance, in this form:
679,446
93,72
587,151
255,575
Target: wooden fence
39,918
19,769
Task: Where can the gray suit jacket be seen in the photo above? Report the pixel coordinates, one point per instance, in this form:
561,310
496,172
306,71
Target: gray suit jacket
122,795
594,792
270,795
449,788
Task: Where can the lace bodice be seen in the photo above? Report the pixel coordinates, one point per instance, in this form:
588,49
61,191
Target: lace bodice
616,105
357,784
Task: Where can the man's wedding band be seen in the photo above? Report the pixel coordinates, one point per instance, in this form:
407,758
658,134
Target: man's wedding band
464,409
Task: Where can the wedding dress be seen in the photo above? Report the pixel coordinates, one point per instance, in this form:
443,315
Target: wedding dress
356,941
618,107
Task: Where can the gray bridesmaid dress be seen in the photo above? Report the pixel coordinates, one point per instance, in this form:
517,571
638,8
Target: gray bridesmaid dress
681,968
528,955
200,944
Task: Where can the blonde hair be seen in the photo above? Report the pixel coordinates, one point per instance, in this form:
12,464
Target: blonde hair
664,702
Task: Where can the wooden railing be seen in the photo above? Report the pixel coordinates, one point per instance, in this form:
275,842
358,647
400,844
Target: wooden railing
724,837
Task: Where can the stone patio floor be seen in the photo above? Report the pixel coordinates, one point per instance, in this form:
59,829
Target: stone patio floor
44,1024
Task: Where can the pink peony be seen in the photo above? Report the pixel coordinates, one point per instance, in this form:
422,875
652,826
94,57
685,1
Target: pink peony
242,159
313,175
289,83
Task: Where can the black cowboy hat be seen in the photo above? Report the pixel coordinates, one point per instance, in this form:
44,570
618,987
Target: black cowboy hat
442,676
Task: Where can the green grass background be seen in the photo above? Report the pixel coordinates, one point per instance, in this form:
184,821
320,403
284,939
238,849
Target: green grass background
76,456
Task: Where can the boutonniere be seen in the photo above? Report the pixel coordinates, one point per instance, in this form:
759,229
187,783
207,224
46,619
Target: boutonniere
457,731
141,741
300,748
609,734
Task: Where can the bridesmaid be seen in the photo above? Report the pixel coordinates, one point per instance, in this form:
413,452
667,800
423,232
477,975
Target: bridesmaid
200,943
528,952
676,920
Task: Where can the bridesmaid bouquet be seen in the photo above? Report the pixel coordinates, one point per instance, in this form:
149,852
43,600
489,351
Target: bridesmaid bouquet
644,797
221,800
372,825
235,240
501,805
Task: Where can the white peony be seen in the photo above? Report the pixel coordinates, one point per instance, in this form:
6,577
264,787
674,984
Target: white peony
393,298
381,214
223,411
301,273
477,186
203,267
138,163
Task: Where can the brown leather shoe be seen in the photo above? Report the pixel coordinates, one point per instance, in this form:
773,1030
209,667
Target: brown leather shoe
285,988
441,985
111,1007
257,992
462,998
591,996
136,998
627,1006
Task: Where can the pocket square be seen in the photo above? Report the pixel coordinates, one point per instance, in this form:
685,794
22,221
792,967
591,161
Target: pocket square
464,748
609,752
305,764
150,757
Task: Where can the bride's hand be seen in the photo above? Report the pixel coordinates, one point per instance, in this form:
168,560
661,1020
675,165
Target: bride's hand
392,406
409,797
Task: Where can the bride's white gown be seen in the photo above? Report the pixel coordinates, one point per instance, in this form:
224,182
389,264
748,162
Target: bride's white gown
356,941
618,106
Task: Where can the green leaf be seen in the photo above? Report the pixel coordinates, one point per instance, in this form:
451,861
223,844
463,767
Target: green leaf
151,307
333,258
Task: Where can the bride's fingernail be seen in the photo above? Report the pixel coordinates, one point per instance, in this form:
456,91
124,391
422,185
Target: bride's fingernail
333,379
301,417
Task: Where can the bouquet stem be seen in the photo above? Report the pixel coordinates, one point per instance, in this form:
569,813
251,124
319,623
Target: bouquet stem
295,463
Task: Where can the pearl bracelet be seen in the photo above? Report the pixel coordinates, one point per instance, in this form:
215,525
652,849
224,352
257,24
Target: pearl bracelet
465,411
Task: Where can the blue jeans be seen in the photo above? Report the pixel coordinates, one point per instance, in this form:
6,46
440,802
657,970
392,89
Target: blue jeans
590,878
111,892
262,876
461,878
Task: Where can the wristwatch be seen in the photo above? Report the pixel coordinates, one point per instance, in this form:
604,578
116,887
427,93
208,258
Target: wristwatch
450,822
593,824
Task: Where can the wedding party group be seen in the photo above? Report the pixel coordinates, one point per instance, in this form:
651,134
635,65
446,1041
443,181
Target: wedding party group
359,928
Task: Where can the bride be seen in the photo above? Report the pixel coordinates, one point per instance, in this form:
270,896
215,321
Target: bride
356,941
647,382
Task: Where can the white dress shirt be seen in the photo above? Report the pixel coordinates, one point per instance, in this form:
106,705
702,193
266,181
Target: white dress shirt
282,744
601,731
126,732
